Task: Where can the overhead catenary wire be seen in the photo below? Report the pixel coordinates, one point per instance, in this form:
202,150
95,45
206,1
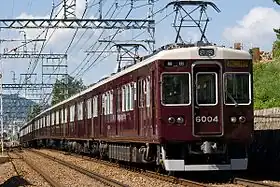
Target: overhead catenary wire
87,40
96,42
100,54
94,62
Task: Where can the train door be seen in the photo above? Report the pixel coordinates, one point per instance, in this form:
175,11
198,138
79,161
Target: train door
118,100
207,99
141,109
101,115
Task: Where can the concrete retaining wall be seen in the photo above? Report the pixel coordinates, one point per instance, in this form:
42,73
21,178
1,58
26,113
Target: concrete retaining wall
267,119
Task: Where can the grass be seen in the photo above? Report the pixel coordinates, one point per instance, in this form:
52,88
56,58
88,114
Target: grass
267,85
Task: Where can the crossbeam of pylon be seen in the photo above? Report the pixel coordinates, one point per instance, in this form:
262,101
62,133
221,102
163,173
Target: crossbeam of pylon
77,23
26,86
30,55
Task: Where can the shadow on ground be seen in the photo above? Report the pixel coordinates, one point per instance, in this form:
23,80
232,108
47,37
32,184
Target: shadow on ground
15,181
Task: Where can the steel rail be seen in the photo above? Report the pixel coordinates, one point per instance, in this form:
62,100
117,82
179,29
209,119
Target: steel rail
174,179
96,176
152,174
250,183
52,182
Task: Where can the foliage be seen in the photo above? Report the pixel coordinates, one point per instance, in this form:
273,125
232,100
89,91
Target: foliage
276,44
65,88
267,85
33,111
277,1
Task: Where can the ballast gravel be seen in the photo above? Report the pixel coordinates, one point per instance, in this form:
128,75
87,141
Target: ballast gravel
129,178
62,174
26,176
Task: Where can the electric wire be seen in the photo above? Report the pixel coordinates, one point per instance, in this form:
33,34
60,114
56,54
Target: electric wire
90,66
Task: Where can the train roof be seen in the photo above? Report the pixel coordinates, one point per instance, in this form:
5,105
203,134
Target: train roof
168,53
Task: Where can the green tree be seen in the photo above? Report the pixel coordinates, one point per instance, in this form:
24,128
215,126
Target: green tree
33,111
65,88
277,1
276,44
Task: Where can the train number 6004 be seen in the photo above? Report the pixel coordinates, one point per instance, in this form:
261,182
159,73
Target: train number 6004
206,119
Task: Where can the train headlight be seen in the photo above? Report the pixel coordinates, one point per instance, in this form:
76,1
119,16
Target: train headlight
242,119
233,119
180,120
171,120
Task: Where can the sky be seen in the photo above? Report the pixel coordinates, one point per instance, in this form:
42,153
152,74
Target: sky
250,22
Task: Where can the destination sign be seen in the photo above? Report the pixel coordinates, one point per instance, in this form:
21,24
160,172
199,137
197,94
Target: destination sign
175,63
237,64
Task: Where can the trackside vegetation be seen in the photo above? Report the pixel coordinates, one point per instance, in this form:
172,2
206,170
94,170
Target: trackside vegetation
267,84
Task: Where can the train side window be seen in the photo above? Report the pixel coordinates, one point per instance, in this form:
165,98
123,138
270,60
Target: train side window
108,103
61,116
123,99
111,102
57,117
89,109
103,104
72,113
66,115
48,120
80,110
206,89
53,118
95,106
43,123
119,98
108,98
132,91
140,93
128,94
148,92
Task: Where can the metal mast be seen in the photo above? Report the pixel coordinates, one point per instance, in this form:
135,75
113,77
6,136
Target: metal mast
1,106
187,18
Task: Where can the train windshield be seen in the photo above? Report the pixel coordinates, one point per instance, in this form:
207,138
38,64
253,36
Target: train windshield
237,88
175,88
206,88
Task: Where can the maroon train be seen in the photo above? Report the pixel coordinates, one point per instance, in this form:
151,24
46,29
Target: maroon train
183,108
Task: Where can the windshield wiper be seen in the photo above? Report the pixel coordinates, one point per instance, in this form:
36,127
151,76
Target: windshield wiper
231,98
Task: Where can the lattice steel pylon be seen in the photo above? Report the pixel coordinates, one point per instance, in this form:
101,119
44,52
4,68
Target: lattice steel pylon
54,69
128,53
69,9
28,84
185,18
77,23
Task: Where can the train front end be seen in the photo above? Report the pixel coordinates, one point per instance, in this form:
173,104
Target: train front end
206,109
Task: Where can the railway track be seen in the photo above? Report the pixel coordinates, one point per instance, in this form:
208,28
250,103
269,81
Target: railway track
105,180
148,173
50,181
250,183
174,179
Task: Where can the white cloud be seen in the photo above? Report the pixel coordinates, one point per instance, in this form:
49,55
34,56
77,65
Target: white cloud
255,28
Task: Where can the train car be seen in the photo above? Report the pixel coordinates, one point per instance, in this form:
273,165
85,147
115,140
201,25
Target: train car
183,108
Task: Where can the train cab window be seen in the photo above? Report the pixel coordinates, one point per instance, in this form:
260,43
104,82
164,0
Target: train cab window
175,88
237,88
206,89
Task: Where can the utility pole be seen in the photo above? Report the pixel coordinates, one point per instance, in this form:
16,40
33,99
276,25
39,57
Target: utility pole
1,107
